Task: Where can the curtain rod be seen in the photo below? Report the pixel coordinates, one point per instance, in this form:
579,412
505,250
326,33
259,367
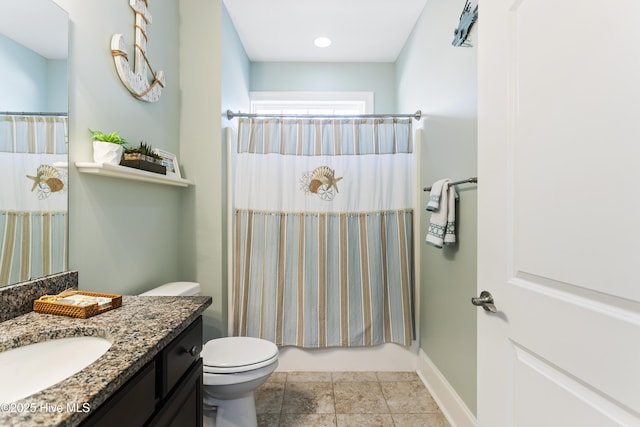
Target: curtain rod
473,179
230,115
25,113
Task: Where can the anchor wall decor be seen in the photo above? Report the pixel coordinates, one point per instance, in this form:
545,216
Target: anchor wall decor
142,81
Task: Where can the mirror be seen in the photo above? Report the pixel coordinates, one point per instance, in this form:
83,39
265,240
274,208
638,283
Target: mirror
33,139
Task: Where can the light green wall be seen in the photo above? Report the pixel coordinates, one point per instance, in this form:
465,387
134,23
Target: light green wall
234,96
203,243
124,235
378,78
440,80
236,71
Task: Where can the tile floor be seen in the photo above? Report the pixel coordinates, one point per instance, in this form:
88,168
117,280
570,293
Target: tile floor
342,399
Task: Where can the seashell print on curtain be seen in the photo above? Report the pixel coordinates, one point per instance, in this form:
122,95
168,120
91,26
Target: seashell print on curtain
48,179
321,181
323,244
33,203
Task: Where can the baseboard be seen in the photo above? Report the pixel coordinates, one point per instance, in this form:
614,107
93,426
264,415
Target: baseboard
450,403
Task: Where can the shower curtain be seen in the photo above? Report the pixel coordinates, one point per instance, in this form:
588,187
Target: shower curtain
323,245
33,201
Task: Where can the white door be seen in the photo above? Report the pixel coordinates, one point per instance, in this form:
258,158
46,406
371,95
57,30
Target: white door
559,213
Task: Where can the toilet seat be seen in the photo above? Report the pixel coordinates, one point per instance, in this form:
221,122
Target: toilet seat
237,354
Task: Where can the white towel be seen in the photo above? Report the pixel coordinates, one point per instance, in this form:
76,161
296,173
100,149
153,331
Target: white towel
450,231
436,194
442,227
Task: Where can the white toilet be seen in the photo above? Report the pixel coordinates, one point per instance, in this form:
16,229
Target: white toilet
233,368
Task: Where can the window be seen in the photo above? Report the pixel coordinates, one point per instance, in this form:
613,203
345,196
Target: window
321,103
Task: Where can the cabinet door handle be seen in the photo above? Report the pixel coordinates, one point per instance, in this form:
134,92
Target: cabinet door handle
192,351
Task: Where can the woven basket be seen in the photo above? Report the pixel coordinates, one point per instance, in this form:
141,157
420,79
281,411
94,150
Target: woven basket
47,304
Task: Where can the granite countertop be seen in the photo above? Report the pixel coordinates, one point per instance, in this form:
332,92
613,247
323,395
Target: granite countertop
139,329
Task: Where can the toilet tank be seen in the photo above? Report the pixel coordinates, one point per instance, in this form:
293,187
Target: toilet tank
175,289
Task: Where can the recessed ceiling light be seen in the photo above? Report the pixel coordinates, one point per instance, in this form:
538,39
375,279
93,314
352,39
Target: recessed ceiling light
322,41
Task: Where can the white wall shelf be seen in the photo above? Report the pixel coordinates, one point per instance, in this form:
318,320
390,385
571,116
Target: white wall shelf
124,172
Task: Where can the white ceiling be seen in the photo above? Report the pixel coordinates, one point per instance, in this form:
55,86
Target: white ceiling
40,25
270,30
361,30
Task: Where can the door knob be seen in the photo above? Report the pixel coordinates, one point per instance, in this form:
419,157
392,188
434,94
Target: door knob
485,300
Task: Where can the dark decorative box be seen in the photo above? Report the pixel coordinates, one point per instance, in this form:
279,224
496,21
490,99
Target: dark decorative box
140,161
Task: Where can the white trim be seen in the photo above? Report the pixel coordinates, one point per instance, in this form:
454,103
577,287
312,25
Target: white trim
229,140
450,403
117,171
317,98
417,238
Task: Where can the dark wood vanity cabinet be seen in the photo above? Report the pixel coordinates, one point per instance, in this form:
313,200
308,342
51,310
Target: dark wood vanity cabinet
131,405
179,385
183,407
167,392
178,356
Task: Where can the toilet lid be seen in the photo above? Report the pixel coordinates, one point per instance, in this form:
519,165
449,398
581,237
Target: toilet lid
175,289
237,354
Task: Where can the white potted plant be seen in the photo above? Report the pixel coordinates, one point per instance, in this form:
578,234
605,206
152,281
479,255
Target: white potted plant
107,147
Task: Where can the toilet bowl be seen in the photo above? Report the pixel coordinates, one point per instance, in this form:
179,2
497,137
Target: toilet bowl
233,368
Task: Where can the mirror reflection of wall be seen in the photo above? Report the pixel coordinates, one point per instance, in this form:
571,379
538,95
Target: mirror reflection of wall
30,82
33,139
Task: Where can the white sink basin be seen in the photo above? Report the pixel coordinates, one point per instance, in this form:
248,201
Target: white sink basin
31,368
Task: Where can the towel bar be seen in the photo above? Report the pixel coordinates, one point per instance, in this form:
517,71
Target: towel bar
473,179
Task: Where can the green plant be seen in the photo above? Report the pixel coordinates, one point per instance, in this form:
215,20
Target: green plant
112,137
145,149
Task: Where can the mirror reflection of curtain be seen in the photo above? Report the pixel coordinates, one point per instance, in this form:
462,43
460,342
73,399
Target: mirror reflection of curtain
33,202
323,232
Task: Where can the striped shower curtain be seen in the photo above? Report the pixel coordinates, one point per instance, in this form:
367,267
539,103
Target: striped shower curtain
323,252
33,202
